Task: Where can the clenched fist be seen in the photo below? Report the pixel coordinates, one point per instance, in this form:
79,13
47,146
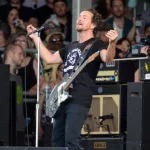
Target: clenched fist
112,35
30,28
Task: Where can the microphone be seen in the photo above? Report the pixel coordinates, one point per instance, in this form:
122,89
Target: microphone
44,26
110,116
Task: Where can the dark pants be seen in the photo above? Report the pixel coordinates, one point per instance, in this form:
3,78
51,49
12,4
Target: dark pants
47,135
67,126
20,138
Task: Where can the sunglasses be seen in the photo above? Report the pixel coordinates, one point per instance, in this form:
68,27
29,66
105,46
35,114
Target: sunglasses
56,40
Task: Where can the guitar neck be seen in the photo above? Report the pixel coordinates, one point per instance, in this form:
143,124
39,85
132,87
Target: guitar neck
75,74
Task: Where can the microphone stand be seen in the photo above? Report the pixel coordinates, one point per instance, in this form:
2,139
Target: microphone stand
38,91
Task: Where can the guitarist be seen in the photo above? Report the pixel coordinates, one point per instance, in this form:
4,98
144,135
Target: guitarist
73,112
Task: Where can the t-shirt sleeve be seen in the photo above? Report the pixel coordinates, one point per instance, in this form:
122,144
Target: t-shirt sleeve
63,53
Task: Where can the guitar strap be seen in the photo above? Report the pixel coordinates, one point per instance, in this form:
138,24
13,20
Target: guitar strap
82,57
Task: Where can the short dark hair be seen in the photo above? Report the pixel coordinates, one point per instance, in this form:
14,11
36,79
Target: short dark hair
105,27
64,1
10,47
11,8
123,1
119,42
97,19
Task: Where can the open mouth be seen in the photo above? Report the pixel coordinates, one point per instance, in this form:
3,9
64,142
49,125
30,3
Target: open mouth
79,23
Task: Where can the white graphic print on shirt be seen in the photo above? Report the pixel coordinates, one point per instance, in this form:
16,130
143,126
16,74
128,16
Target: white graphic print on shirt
71,59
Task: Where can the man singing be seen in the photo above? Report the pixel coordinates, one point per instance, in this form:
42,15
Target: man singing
73,112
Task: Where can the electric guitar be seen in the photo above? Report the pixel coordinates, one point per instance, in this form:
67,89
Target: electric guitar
60,92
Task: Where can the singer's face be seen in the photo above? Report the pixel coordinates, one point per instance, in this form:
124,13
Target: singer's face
84,21
13,14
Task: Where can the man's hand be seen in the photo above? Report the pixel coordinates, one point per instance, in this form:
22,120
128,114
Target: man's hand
112,35
30,28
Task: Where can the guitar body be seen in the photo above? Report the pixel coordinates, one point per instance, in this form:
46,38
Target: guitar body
57,96
59,93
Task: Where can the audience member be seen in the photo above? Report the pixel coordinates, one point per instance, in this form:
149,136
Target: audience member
123,48
4,34
15,23
103,7
101,32
44,126
34,21
13,56
119,21
28,73
147,30
24,12
144,50
63,17
53,24
44,12
54,42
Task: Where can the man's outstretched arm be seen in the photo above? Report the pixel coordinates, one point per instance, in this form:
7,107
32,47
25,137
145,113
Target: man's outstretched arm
109,54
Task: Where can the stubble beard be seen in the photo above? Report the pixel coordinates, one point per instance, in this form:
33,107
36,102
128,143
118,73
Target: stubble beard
62,15
78,29
118,16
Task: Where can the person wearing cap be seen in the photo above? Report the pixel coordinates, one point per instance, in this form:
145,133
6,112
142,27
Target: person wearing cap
54,42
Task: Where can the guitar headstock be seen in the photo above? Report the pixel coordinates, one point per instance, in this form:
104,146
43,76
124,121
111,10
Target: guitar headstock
93,56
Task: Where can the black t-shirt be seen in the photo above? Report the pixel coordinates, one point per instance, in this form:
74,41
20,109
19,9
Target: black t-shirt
82,84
